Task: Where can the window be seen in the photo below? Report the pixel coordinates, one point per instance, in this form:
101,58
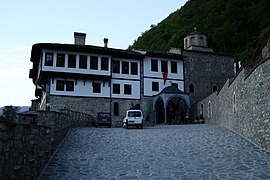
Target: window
105,63
209,110
207,66
48,59
201,111
60,61
94,62
96,87
155,86
83,62
175,85
215,88
116,109
125,67
223,68
201,41
127,89
134,114
116,66
154,65
191,88
164,66
192,40
72,61
69,85
191,62
60,85
173,67
234,102
134,68
116,88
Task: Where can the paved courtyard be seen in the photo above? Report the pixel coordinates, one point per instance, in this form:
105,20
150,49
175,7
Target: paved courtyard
158,152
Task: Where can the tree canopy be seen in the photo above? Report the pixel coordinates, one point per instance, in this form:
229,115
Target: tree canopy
9,113
230,26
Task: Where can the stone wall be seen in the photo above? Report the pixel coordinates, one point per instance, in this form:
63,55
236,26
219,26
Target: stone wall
27,145
82,104
92,106
204,70
243,105
149,114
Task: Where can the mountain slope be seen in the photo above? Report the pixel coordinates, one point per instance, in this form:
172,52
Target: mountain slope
231,26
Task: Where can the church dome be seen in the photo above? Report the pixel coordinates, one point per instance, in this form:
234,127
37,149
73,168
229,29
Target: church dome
196,41
195,33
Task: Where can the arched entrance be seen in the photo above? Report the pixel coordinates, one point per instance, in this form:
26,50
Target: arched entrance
176,111
160,114
171,106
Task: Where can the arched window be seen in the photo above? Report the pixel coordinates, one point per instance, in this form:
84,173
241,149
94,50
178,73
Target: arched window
191,62
223,68
207,66
186,43
191,88
214,88
201,41
209,110
116,109
201,111
192,41
234,102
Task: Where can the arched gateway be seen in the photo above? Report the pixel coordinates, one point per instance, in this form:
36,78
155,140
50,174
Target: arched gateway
171,106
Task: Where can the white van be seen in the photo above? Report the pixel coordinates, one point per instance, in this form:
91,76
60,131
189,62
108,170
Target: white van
133,118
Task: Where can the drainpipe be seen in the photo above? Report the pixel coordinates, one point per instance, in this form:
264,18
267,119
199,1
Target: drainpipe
111,90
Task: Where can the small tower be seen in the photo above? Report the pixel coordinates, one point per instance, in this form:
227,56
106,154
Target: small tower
196,41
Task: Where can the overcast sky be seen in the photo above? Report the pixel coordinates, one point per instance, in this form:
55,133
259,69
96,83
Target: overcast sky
26,22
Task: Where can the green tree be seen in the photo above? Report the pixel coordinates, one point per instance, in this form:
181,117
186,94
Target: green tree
9,113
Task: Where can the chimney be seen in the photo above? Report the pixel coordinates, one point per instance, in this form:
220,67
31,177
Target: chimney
79,38
105,42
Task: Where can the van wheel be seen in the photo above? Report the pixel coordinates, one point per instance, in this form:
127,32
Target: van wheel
142,126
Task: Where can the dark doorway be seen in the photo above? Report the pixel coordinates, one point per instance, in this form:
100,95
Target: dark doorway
160,112
116,109
137,106
176,111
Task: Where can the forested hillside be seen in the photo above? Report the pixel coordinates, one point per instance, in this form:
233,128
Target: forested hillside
232,26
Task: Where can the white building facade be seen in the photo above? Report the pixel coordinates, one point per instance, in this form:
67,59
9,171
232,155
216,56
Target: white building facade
160,73
93,79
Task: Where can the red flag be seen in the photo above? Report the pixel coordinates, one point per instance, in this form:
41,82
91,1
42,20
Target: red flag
165,75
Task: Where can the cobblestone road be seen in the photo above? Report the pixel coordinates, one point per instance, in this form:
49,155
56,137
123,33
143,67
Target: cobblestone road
159,152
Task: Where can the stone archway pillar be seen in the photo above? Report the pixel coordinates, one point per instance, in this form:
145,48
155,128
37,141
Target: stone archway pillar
165,114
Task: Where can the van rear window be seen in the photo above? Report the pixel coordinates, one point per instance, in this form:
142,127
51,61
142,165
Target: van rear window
134,114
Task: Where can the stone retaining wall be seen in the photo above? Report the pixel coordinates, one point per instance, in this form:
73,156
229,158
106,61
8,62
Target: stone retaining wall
93,105
27,145
243,105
